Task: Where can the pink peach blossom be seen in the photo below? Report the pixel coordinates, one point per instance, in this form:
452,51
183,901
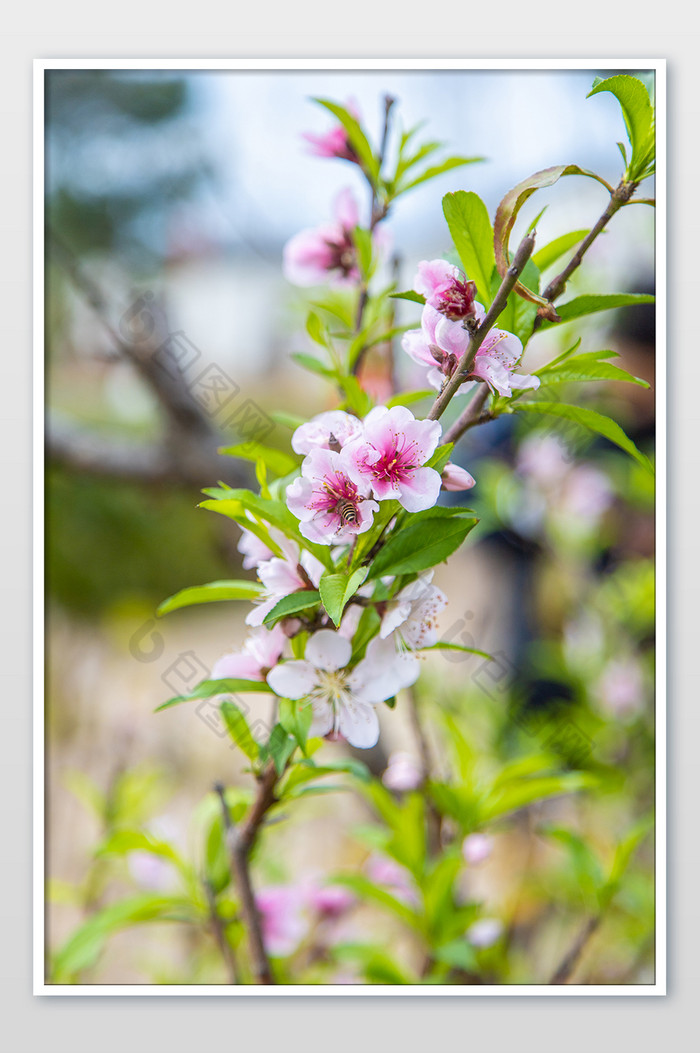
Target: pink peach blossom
260,652
445,288
321,431
391,456
454,478
331,506
315,256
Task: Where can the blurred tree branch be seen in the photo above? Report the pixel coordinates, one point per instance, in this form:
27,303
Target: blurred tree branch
187,452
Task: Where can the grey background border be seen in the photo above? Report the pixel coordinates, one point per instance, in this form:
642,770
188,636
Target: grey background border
365,29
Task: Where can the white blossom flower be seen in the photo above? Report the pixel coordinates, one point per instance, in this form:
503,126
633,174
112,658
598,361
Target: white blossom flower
343,699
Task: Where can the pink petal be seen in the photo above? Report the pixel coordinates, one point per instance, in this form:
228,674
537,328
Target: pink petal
421,490
236,665
433,275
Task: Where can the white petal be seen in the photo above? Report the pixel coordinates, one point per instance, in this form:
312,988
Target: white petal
328,650
358,723
292,679
322,720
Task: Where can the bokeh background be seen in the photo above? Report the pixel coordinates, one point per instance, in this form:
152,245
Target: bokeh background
170,196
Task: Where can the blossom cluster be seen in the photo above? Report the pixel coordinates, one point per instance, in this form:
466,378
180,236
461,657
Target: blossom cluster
449,315
350,468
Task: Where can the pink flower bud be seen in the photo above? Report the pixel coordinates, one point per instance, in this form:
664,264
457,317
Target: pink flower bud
403,772
476,848
456,478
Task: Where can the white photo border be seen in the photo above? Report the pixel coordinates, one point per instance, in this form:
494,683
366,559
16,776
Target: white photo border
40,987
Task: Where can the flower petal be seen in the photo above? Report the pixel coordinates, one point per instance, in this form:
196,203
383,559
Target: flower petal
359,724
328,650
294,679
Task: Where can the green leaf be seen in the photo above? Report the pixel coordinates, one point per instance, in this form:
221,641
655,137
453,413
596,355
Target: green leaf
316,329
363,244
435,170
583,861
459,954
314,365
407,398
584,368
549,254
367,629
292,604
470,228
509,797
85,945
584,305
287,420
638,114
442,645
420,545
211,688
508,210
214,592
368,891
356,136
280,746
237,727
587,418
236,503
623,857
337,589
414,297
277,461
295,717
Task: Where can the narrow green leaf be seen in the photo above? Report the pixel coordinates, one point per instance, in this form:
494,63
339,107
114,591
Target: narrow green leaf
407,398
511,797
586,368
583,305
549,254
439,169
358,139
587,418
292,604
414,297
470,227
211,688
421,545
314,365
337,589
277,461
237,727
214,592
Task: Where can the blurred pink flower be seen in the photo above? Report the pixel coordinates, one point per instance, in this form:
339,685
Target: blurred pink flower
403,772
334,142
543,459
253,550
587,493
476,848
319,432
260,653
315,256
485,932
389,874
391,455
282,918
331,901
296,569
621,688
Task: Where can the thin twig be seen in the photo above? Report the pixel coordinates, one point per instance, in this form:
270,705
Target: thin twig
239,842
563,973
434,819
219,931
620,196
470,416
377,214
479,335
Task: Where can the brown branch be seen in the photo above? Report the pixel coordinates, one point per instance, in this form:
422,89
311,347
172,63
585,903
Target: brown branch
563,973
479,335
377,214
239,842
619,196
219,932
